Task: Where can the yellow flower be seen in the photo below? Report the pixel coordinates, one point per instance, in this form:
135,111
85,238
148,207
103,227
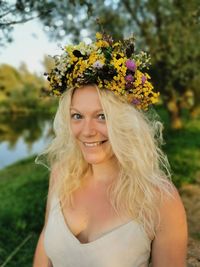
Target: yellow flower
140,89
98,36
56,92
102,43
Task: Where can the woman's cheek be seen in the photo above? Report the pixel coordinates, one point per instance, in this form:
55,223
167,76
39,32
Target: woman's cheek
75,129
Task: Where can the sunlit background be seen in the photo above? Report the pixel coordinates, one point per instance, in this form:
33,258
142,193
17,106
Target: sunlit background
30,45
33,31
27,51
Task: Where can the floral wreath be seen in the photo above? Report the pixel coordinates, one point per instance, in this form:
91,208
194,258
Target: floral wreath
110,65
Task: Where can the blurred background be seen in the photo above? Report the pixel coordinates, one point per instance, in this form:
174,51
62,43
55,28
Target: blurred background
30,33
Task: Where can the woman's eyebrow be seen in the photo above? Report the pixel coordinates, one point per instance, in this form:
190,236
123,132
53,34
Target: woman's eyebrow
96,111
74,109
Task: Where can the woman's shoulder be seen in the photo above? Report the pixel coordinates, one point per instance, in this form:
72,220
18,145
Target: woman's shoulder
170,198
172,211
170,242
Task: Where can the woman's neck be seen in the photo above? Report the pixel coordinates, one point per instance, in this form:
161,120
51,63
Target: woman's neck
104,172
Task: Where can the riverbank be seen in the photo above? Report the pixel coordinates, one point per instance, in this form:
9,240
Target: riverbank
23,190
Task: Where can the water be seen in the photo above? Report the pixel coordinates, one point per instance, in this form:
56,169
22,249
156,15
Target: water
21,137
21,150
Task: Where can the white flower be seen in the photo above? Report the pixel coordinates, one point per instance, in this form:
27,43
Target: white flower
98,64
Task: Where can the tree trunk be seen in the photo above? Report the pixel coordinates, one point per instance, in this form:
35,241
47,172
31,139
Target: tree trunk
175,113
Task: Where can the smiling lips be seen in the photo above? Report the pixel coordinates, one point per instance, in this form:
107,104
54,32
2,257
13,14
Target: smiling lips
94,144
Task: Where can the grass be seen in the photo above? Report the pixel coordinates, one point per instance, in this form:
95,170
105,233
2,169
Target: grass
23,190
183,149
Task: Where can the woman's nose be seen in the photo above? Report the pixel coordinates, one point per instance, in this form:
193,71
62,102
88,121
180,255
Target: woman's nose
89,128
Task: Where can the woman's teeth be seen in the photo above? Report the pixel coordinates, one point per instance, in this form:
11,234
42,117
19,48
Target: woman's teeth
93,144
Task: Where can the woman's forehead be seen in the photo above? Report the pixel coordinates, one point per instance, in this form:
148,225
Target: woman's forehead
86,96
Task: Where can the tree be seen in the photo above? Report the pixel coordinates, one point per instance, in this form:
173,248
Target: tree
168,29
19,89
12,13
9,79
175,51
53,14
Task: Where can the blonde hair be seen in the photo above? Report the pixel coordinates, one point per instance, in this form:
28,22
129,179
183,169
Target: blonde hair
135,140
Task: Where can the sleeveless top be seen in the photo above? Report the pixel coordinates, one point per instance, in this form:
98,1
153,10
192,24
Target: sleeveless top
125,246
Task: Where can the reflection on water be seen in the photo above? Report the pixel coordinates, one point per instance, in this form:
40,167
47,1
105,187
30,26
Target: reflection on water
22,136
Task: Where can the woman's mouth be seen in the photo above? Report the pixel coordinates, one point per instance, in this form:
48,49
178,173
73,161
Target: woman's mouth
94,144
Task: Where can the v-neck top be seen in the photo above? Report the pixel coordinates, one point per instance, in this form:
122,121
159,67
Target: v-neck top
127,245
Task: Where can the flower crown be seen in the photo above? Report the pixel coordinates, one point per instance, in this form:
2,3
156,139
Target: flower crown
110,65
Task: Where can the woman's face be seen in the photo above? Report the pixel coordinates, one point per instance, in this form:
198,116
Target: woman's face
89,126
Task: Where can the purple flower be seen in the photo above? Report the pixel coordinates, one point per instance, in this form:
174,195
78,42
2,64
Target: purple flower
144,78
129,78
130,64
98,64
129,85
135,101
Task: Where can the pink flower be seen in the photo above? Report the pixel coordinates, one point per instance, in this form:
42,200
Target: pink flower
130,64
144,78
129,78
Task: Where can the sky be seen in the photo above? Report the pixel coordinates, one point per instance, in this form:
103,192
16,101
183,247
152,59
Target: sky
29,45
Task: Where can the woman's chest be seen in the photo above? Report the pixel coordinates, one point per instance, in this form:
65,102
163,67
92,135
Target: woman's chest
92,215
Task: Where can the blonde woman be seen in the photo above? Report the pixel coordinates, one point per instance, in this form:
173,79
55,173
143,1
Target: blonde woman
111,202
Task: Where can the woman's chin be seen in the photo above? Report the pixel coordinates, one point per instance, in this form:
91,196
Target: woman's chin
94,160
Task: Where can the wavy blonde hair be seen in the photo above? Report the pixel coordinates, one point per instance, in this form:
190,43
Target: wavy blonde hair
135,140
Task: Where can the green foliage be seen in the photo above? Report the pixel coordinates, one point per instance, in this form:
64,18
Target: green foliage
169,30
174,46
23,190
50,13
20,91
182,148
9,79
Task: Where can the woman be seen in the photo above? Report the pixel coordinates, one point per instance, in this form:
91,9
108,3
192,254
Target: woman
110,202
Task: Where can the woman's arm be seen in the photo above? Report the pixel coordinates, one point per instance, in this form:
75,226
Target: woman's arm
40,258
169,247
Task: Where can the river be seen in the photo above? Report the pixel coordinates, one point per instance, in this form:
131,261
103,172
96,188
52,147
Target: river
23,136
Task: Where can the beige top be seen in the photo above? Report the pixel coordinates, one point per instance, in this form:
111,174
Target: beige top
125,246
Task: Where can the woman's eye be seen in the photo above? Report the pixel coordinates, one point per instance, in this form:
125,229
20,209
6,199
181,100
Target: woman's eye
101,117
76,116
